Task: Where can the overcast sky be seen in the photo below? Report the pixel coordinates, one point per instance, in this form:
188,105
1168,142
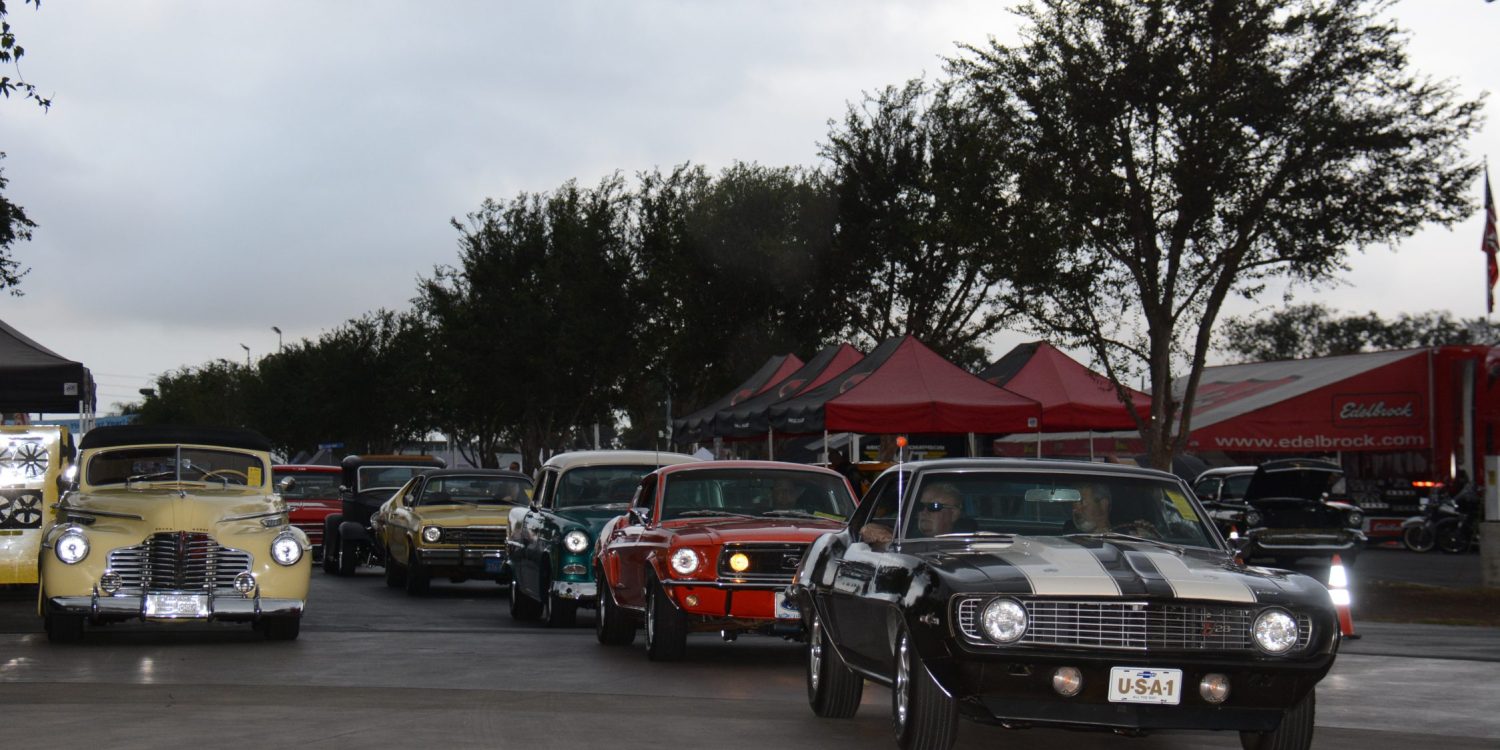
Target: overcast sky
209,170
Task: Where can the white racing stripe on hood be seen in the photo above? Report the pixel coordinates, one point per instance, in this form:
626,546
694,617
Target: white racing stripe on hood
1057,567
1199,581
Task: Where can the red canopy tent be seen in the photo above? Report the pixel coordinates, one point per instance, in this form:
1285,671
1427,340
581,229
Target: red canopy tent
752,417
903,386
1073,397
695,427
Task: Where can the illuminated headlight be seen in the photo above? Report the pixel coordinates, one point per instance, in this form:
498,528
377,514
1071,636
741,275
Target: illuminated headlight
431,534
1252,518
1004,620
286,550
1275,631
739,562
575,541
1356,518
684,562
72,546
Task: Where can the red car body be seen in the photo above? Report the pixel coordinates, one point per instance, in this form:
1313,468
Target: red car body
313,496
715,512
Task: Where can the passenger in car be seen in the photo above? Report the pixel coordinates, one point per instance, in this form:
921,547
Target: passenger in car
1094,513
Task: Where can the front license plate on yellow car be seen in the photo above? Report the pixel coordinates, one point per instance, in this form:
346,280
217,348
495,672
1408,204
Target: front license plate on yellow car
1138,685
176,605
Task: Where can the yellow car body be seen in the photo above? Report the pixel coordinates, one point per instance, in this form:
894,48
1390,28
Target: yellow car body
450,523
34,460
173,525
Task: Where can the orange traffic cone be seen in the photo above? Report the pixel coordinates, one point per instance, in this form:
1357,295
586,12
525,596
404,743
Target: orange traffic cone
1338,590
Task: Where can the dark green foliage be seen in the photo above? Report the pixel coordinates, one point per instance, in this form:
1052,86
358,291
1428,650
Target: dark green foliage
1313,330
1169,153
14,224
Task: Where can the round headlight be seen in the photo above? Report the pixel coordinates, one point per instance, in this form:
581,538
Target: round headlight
575,541
72,546
1004,620
1275,631
1252,518
286,550
684,562
431,534
1356,518
739,562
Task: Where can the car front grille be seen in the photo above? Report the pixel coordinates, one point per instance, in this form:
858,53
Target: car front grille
178,561
769,563
1134,626
474,536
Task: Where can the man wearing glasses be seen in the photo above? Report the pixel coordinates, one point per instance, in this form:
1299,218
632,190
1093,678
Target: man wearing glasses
939,511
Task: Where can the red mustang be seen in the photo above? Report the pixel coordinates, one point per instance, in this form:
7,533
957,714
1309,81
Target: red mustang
712,546
311,495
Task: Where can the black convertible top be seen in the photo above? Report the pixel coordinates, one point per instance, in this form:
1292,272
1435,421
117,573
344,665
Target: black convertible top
123,435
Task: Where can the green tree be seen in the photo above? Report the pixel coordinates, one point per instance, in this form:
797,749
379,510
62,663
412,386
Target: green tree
15,226
922,201
532,331
733,268
1314,330
1169,153
211,394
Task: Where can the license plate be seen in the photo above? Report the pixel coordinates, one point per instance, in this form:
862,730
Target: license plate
493,564
1139,685
176,605
786,608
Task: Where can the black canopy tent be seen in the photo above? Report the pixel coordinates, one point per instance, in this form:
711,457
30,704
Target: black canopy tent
36,379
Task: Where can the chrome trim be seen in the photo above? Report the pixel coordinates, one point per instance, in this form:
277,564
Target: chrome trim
221,607
580,590
102,513
766,586
250,516
1139,626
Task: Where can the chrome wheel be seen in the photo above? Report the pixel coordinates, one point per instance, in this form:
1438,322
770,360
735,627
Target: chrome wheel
901,691
815,654
650,624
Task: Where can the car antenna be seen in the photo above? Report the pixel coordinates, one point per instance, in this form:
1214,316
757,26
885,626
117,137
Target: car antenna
900,480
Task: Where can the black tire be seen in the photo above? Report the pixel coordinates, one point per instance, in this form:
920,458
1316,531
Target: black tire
418,580
1451,537
395,574
348,556
1295,732
1419,538
330,548
925,717
611,626
282,628
666,627
558,612
522,607
63,628
833,689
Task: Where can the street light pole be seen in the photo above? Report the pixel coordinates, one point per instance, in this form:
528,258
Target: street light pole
278,337
247,354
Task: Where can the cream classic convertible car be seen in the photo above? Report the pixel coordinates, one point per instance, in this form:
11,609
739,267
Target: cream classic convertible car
173,524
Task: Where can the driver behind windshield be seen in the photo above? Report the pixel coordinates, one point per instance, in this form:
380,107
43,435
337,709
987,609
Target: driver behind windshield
1092,515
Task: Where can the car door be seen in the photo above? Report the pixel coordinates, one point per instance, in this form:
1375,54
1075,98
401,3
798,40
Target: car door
398,521
625,553
527,541
856,605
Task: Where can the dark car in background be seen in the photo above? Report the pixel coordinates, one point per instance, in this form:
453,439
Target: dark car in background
1284,510
368,481
311,494
985,589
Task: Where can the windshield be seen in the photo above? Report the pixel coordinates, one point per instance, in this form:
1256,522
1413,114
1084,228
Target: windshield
1038,504
598,485
172,464
373,477
474,490
756,492
1234,486
308,484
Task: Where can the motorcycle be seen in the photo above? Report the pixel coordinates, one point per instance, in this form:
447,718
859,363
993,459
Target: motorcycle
1419,533
1459,532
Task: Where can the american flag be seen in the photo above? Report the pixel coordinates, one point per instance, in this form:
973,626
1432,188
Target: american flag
1491,244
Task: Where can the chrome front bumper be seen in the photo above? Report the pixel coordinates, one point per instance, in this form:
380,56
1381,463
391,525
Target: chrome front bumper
227,608
469,558
1312,543
579,590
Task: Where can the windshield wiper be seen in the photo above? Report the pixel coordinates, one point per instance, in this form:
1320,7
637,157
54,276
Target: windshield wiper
1130,538
706,512
793,513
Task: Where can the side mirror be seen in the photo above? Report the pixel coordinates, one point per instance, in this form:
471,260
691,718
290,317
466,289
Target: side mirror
641,516
286,484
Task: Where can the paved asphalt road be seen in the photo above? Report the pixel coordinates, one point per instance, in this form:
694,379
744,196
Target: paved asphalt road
376,669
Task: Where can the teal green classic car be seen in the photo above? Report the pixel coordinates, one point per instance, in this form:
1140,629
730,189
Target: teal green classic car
552,541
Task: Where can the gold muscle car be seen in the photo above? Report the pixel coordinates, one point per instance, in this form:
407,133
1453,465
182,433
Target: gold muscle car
35,461
173,524
451,524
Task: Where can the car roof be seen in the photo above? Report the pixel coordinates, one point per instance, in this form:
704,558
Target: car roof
572,459
1029,464
761,465
307,468
1222,471
503,473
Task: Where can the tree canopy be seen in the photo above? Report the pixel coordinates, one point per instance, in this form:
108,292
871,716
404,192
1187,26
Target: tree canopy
1314,330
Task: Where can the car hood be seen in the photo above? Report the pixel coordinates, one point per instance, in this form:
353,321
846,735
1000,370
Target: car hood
463,515
741,530
1094,567
171,510
1289,480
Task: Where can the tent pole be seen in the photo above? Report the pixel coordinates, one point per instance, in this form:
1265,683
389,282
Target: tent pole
854,447
973,447
770,444
1091,445
1038,443
826,458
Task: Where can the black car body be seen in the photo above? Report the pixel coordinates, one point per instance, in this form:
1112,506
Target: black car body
1104,612
369,481
1290,514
